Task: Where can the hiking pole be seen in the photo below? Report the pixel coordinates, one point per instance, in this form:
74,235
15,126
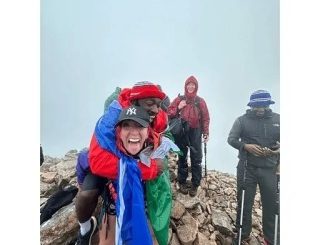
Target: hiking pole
205,160
242,201
276,221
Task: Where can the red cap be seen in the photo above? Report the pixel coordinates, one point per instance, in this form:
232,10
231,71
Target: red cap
142,90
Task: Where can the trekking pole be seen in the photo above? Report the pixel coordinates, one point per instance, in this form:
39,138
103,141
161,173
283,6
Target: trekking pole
205,160
276,221
242,201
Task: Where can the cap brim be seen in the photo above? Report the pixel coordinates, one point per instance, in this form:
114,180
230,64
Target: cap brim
263,103
138,120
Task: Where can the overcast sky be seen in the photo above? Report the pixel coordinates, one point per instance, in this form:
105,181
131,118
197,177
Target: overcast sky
90,47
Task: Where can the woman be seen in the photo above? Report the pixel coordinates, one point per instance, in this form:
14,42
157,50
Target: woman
131,132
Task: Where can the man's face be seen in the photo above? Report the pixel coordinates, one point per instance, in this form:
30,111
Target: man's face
151,105
260,111
191,87
133,136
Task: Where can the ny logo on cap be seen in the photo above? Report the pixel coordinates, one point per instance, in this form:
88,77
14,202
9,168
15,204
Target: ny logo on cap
131,111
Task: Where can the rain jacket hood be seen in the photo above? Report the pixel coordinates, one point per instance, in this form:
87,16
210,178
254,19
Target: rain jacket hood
191,79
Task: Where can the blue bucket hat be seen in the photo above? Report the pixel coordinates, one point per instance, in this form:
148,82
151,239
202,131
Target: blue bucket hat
260,98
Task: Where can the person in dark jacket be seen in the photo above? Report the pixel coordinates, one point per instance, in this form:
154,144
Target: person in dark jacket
256,135
41,156
193,110
165,102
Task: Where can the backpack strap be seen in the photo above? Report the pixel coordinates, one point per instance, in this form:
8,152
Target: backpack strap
196,102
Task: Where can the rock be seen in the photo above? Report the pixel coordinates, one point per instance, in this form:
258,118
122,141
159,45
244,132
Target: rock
222,222
212,236
202,239
233,217
228,241
48,177
208,218
178,210
211,228
170,235
254,241
229,191
175,240
65,220
213,187
201,218
258,212
46,190
43,200
70,155
256,222
187,233
187,201
209,209
187,219
257,197
219,199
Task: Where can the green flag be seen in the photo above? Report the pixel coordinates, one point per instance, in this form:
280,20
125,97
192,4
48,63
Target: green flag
159,203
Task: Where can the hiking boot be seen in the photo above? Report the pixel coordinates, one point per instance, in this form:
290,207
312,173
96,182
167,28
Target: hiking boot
183,188
86,239
193,191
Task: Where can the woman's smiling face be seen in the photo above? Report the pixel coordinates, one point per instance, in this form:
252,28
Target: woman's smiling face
133,136
191,87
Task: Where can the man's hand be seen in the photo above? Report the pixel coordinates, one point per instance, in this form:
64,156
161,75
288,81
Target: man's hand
205,138
262,151
268,152
182,104
254,149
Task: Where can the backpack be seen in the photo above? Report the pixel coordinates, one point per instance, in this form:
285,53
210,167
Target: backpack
179,126
58,200
111,97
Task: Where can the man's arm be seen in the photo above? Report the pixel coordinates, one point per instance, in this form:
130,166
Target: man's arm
234,135
234,141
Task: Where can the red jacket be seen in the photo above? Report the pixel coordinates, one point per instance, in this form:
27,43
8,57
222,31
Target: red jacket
105,164
191,112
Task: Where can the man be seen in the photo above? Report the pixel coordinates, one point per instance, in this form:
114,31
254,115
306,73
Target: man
193,110
103,163
256,134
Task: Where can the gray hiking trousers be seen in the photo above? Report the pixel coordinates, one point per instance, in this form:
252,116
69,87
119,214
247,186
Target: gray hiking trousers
267,180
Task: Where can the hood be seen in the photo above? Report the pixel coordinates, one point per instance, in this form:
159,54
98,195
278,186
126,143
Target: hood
123,97
191,79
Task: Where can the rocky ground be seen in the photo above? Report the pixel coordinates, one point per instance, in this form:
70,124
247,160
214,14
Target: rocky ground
207,218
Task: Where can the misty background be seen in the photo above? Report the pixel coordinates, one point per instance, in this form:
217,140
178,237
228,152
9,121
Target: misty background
89,48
